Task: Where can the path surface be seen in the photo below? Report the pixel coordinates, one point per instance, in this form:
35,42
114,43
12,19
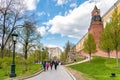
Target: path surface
87,59
60,74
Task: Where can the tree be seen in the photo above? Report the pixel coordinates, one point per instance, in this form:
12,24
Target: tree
28,36
11,16
105,42
38,55
54,57
35,56
63,57
113,31
67,48
46,54
89,45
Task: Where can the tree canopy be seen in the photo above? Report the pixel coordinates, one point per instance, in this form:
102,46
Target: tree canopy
110,38
89,45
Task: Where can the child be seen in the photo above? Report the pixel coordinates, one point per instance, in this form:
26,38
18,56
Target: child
47,65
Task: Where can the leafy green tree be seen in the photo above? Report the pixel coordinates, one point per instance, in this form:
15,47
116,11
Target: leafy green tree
38,55
89,45
105,42
113,31
55,57
45,54
67,48
63,57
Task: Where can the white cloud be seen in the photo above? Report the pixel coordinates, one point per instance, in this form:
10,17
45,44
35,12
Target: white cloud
76,23
51,45
61,2
19,48
31,4
41,13
42,30
73,5
50,38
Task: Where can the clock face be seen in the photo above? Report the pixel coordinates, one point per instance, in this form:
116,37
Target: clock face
98,18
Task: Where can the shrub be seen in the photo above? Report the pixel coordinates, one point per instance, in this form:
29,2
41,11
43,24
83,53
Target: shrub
6,62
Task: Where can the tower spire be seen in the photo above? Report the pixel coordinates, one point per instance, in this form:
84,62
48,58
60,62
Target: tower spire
95,8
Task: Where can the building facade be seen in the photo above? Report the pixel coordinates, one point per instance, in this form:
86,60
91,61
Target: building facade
54,51
79,46
96,28
97,25
108,15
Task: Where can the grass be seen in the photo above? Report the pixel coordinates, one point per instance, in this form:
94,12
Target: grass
20,71
99,69
77,60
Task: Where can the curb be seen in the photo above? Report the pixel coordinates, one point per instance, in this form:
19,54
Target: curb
70,74
23,78
31,75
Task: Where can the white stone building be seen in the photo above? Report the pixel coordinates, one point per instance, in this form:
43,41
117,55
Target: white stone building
54,51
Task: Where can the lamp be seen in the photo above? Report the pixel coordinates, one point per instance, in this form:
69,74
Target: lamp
42,54
13,74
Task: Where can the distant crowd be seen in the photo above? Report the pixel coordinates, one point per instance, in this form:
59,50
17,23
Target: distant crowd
51,64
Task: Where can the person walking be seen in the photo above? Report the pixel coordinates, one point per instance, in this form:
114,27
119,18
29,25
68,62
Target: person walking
44,65
51,64
56,64
47,65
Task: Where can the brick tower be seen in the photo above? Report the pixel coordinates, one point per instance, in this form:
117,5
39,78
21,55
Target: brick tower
96,26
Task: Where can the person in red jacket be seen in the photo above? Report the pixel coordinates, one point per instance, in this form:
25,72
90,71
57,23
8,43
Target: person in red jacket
47,65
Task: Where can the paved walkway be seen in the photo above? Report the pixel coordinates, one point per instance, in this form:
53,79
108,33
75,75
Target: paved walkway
60,74
87,59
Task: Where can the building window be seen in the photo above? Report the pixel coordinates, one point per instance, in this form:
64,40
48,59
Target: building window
104,24
109,19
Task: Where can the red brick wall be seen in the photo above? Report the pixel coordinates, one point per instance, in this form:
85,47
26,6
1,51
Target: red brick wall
96,29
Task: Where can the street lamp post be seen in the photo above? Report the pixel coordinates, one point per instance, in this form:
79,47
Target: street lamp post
13,74
50,56
42,54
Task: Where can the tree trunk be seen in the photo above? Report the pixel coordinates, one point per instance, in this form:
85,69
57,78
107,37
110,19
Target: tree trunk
108,55
90,56
117,65
2,51
25,54
26,50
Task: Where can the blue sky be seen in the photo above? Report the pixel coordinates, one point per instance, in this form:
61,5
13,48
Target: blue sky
47,10
63,20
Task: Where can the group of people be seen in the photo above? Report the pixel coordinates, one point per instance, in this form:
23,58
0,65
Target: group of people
47,64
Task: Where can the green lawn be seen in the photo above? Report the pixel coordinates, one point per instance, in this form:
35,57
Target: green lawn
20,71
99,69
79,59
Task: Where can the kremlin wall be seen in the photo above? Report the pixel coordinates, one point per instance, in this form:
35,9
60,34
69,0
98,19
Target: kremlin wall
96,27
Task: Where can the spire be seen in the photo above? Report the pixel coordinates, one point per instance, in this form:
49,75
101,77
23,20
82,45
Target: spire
95,8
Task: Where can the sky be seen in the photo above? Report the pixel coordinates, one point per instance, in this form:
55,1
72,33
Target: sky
63,20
